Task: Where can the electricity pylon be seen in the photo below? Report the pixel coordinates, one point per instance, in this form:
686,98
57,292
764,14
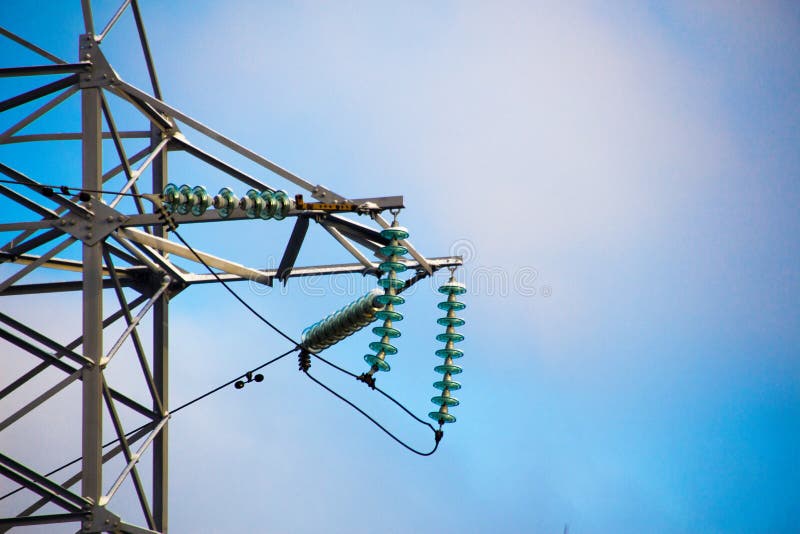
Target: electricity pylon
132,251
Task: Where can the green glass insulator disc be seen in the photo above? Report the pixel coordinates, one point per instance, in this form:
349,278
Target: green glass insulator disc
269,206
455,337
386,299
373,360
171,196
386,331
379,346
393,250
188,199
452,385
453,353
442,400
395,266
225,202
452,369
453,287
202,200
389,314
391,282
444,417
450,321
254,205
454,305
283,205
398,232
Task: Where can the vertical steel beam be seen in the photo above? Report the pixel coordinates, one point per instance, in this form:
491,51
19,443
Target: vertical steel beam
92,431
160,356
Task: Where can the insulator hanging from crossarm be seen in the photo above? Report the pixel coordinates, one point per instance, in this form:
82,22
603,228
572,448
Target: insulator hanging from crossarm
343,322
445,400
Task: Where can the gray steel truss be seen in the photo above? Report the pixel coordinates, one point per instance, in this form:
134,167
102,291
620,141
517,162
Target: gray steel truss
130,251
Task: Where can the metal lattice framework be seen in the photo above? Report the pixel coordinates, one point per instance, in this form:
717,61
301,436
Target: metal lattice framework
129,252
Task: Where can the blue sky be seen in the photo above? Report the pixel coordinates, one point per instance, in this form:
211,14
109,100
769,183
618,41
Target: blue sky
624,183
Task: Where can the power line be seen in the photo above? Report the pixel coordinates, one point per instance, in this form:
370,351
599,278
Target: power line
379,390
437,434
226,286
171,413
49,190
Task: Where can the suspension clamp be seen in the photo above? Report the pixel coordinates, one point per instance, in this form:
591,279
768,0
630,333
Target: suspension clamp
304,361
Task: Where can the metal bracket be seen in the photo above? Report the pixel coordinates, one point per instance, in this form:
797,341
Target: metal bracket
100,74
323,194
99,519
95,226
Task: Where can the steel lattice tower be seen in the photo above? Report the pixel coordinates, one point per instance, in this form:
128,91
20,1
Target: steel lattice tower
130,251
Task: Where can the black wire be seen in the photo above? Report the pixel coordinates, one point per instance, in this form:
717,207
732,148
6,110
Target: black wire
365,414
172,412
228,383
379,390
231,291
299,347
51,189
296,347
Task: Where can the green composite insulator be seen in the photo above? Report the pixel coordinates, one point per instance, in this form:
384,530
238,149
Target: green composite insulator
252,204
445,400
342,323
225,202
201,200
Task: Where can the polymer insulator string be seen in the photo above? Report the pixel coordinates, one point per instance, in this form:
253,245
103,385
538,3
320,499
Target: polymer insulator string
342,323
